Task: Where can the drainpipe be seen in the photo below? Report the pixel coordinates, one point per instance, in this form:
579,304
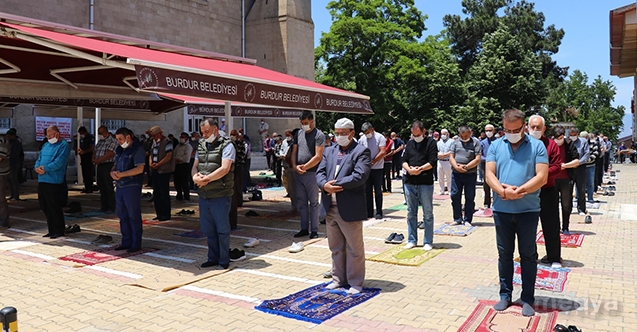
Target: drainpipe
91,15
243,46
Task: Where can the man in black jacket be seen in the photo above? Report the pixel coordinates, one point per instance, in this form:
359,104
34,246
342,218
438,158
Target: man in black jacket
419,161
564,180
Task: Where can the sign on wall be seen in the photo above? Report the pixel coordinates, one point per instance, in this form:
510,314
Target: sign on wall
43,122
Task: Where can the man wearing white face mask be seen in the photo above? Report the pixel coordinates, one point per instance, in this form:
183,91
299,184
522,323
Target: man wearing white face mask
489,130
581,145
104,157
341,176
376,143
162,164
444,167
516,169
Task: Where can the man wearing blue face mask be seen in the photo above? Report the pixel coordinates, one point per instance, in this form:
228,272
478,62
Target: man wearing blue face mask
516,169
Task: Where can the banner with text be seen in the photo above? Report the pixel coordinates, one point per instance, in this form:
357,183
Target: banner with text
63,124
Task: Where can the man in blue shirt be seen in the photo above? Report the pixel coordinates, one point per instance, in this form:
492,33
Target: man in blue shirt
51,169
516,169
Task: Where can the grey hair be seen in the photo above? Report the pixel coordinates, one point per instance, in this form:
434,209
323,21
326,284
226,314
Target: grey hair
366,126
463,129
209,121
512,115
535,116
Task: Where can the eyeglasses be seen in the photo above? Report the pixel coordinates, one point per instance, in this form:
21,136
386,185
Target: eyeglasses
513,131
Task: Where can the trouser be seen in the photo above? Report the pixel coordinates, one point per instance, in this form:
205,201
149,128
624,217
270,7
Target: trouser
191,184
215,226
291,186
606,162
373,192
129,212
590,182
4,206
182,178
307,195
387,176
269,155
444,175
507,227
105,185
460,182
564,188
550,218
396,165
86,162
49,197
345,239
277,171
599,172
580,183
237,197
246,174
485,186
421,194
161,194
14,181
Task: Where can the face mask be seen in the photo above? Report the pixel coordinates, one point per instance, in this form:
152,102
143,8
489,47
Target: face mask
559,141
444,137
573,138
343,140
369,135
489,134
513,138
83,136
193,139
466,140
100,137
183,140
53,140
262,122
305,127
288,138
210,139
124,145
419,139
535,134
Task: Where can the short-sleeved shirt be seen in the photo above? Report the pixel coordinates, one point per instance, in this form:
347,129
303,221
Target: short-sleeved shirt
228,153
306,145
86,141
169,148
375,144
182,152
465,153
516,168
103,146
444,147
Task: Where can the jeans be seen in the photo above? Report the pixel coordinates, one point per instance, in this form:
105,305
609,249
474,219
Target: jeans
507,226
215,225
590,182
550,218
423,194
565,190
373,192
460,181
307,195
105,184
129,212
161,194
387,176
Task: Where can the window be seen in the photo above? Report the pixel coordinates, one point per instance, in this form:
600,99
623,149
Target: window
193,124
113,125
5,124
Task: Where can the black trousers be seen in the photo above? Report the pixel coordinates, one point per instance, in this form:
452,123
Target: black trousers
49,197
606,162
565,190
161,194
599,172
105,185
373,192
580,182
237,196
86,161
278,169
550,219
269,156
387,176
396,165
182,177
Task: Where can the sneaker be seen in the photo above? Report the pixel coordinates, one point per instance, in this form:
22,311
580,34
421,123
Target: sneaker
332,285
398,239
582,213
390,238
314,235
427,247
556,265
378,216
588,220
457,223
296,247
237,255
327,275
545,260
421,225
566,232
253,242
410,245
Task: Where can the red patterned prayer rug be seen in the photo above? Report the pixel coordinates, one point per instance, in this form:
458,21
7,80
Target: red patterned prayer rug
573,240
92,257
485,319
548,278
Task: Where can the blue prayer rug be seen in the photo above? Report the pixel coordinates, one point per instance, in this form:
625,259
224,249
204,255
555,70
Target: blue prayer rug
197,234
316,304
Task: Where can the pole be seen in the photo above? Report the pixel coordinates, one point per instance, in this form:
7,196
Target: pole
9,319
228,115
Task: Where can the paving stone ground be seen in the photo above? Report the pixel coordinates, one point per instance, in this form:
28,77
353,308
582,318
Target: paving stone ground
439,295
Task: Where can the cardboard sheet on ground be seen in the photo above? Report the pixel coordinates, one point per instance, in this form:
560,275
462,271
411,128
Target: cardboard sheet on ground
169,279
410,257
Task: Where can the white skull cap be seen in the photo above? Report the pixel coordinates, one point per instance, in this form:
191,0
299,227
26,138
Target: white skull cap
344,123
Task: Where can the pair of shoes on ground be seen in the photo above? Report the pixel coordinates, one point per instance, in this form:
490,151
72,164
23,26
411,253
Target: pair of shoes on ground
555,265
184,212
101,239
72,229
425,247
53,236
527,309
251,243
237,255
562,328
395,238
458,223
305,232
296,247
421,225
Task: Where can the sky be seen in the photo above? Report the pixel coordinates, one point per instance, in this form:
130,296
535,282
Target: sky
585,46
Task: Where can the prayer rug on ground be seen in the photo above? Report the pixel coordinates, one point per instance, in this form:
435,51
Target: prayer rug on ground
441,197
572,240
316,304
399,207
485,319
197,234
280,215
92,257
484,213
410,257
551,279
454,230
151,222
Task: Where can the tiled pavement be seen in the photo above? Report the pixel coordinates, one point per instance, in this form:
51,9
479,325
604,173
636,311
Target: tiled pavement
600,294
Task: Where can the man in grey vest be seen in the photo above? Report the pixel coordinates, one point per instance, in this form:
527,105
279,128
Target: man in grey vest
162,163
213,174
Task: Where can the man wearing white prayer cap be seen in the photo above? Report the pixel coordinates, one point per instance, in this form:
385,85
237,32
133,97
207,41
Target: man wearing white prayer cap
341,175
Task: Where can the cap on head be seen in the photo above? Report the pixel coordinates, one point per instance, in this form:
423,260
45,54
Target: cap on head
154,130
344,123
11,131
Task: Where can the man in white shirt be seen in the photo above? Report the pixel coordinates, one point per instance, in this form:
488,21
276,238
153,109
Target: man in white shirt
182,177
263,131
376,143
444,167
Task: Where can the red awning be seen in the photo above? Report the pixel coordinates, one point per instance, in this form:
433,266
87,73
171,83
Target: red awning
216,107
75,60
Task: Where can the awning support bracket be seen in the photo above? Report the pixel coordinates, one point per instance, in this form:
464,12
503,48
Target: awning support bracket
12,68
55,73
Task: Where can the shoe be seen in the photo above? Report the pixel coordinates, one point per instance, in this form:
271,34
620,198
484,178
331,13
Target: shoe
501,305
468,223
322,222
566,232
47,235
457,223
556,265
251,214
398,239
182,212
103,239
588,220
314,235
421,225
427,247
133,249
545,260
209,264
327,275
72,229
120,247
353,291
582,213
296,247
2,228
440,193
301,233
224,266
156,218
253,242
410,245
237,255
163,219
390,238
55,236
378,216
